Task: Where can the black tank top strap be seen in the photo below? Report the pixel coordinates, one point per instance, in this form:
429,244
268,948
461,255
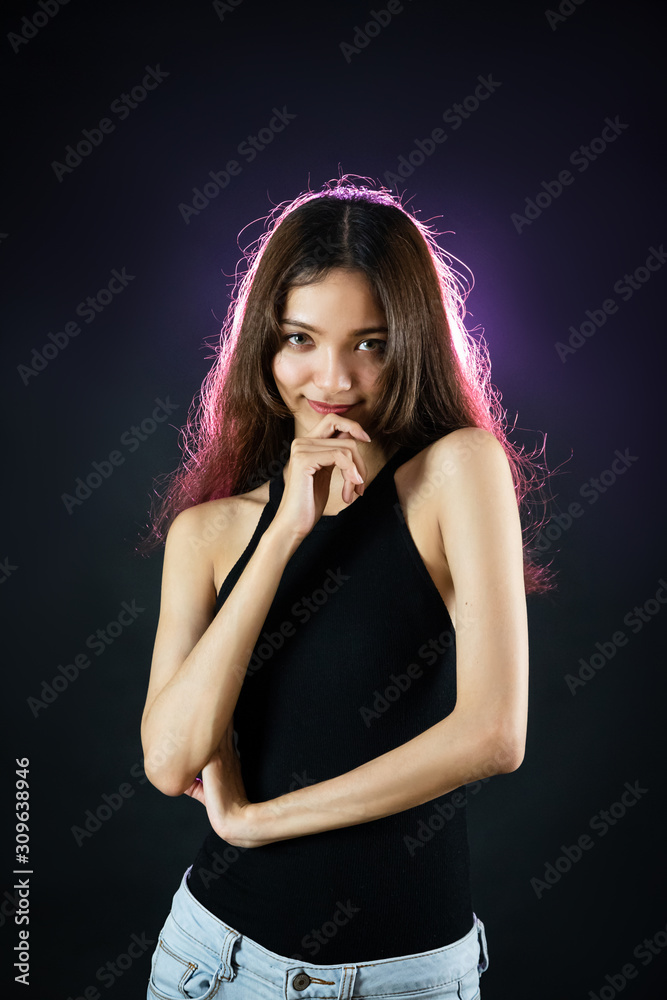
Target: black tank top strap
232,577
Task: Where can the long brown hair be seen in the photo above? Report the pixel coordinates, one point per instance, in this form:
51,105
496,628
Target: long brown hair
435,377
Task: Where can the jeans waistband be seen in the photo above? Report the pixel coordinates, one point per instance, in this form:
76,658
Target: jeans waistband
299,980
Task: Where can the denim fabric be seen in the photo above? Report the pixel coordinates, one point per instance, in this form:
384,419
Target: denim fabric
200,957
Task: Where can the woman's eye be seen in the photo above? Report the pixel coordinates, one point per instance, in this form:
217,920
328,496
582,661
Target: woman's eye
377,346
289,336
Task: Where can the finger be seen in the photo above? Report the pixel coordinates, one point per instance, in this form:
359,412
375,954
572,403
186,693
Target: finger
351,467
332,422
349,464
348,460
196,790
352,490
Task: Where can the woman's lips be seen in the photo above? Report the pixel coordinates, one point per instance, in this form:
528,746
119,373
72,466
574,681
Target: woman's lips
324,408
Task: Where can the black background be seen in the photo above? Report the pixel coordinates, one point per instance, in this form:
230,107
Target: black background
67,573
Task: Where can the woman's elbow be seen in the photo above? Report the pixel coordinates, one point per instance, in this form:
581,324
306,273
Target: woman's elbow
165,781
507,752
501,752
162,769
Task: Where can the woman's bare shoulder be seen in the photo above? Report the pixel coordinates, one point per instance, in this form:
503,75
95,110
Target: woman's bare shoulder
216,532
423,472
219,521
460,445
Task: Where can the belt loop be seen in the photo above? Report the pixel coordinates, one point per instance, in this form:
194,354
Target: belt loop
347,982
227,970
483,964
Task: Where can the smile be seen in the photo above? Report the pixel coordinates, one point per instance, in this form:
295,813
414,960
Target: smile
327,408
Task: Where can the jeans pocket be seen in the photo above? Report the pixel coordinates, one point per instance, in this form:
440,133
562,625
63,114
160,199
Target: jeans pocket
469,986
180,971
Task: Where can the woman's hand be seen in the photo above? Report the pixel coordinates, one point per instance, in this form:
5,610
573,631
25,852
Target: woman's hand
220,789
311,463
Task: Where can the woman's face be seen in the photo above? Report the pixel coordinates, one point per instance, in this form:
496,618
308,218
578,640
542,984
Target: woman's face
334,337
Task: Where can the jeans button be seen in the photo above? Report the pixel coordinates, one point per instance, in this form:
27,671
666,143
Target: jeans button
301,981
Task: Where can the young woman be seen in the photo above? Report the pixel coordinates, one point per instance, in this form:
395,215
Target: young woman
342,644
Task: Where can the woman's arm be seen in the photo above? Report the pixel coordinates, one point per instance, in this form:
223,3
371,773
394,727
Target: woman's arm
485,734
200,658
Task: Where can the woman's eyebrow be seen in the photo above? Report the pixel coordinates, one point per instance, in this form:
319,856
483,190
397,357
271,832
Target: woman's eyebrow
353,333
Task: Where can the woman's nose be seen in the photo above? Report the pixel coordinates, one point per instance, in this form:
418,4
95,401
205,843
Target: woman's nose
332,374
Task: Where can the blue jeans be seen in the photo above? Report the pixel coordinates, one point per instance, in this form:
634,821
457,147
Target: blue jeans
200,957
